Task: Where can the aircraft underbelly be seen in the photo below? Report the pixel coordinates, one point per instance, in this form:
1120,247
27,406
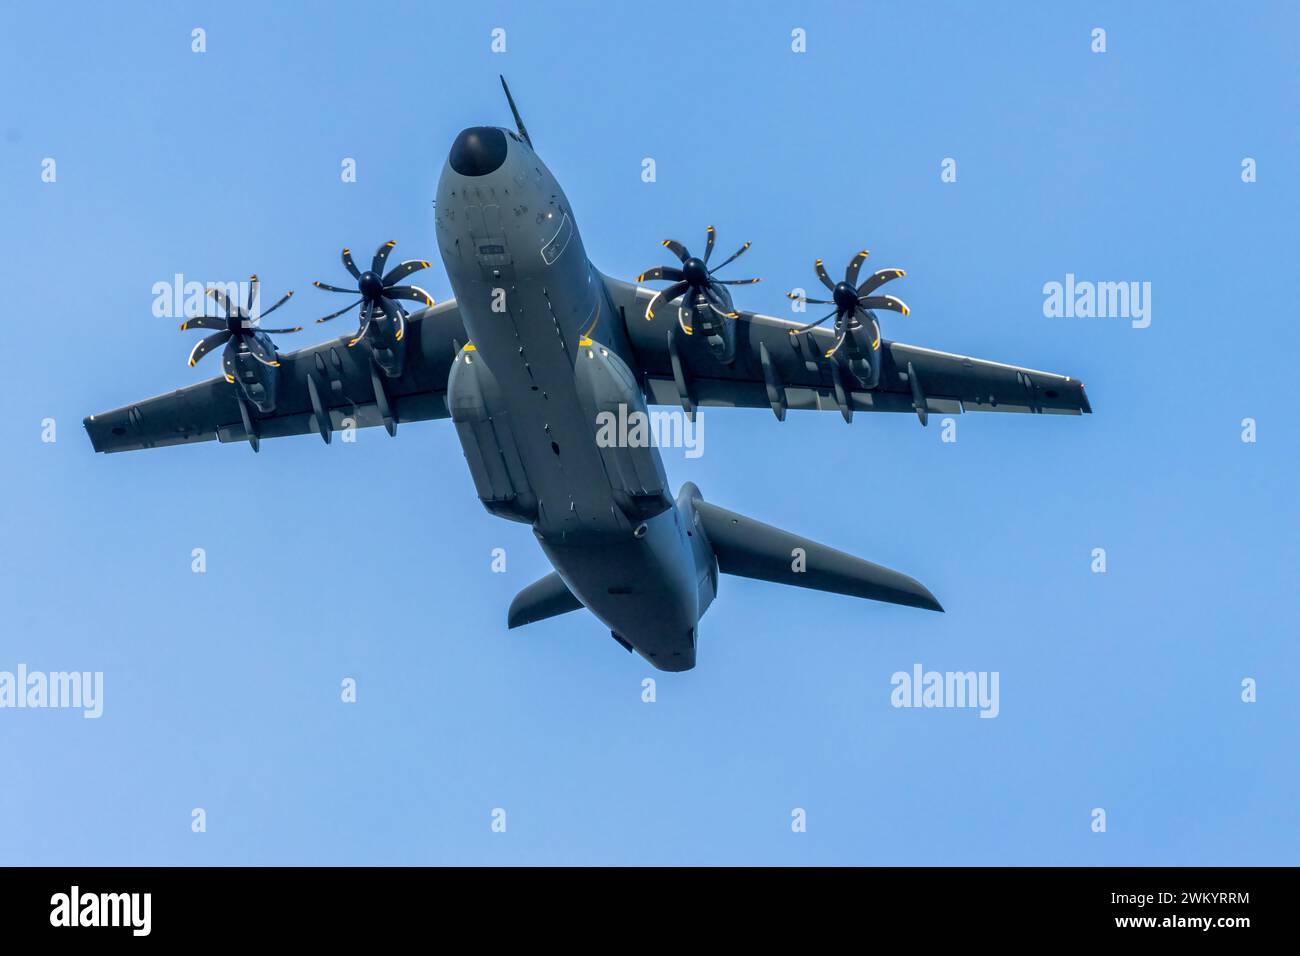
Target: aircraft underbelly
525,385
526,394
643,588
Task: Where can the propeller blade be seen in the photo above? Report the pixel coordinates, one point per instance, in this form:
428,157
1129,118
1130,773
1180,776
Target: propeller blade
732,258
412,293
813,325
283,299
718,305
205,322
366,311
296,328
883,302
807,301
207,344
260,352
335,315
224,301
877,279
844,334
350,265
821,274
851,273
333,288
665,296
381,256
252,292
737,281
661,272
404,269
677,249
869,323
391,309
708,245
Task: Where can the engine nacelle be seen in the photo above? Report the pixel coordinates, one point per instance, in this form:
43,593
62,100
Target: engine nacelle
257,381
718,331
861,352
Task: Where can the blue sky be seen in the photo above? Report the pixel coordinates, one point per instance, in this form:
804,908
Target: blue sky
372,561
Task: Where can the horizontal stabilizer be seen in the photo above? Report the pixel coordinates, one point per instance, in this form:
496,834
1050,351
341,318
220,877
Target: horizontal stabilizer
751,549
541,599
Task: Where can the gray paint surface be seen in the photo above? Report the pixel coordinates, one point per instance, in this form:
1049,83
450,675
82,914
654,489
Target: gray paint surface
535,345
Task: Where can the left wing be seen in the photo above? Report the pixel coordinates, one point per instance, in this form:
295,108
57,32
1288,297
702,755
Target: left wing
320,387
775,369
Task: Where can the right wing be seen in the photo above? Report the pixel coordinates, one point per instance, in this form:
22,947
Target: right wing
775,369
341,382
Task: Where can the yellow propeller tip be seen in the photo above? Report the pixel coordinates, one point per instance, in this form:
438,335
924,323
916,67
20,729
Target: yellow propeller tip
390,243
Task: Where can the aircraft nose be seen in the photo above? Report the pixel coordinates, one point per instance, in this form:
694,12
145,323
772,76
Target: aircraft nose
478,151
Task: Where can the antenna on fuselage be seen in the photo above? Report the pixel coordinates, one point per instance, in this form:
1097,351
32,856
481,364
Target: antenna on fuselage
519,123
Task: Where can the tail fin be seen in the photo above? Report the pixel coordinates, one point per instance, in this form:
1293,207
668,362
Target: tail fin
751,549
541,599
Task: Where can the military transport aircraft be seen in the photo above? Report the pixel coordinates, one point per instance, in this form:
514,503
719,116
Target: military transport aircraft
535,346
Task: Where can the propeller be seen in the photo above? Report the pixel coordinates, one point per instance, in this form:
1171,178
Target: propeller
237,327
378,290
694,279
851,301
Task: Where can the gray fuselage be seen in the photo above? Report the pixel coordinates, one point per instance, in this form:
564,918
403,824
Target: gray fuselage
548,352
